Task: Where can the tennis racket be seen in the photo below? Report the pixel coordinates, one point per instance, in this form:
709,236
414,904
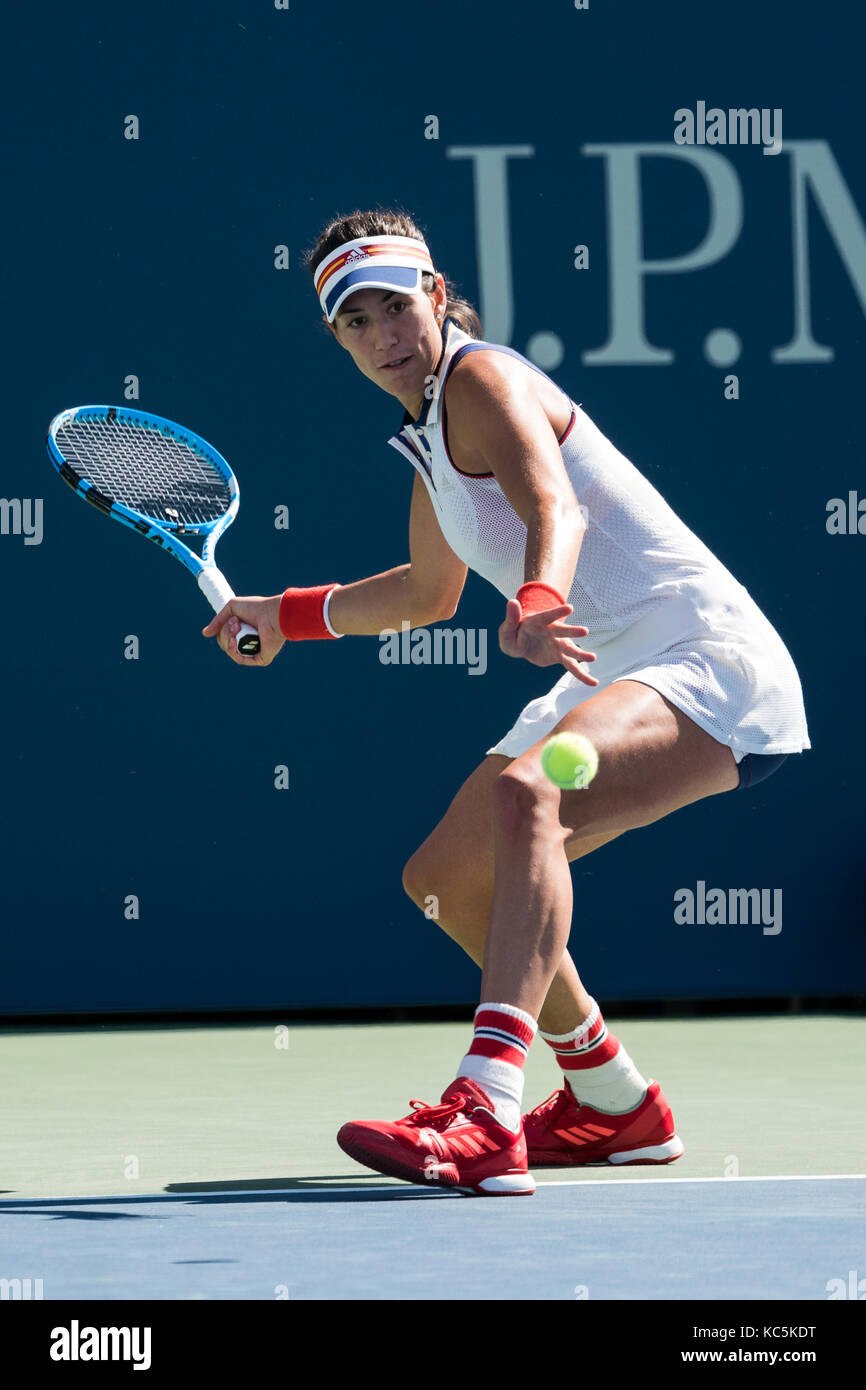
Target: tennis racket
158,478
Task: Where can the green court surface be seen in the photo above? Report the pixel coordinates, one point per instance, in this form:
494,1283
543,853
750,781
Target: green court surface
122,1111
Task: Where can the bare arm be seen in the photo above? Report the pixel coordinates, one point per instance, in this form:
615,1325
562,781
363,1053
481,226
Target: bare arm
426,589
503,428
553,539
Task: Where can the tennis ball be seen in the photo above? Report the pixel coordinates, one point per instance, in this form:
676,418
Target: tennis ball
570,761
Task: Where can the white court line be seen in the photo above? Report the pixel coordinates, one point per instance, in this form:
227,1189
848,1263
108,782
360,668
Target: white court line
397,1186
782,1177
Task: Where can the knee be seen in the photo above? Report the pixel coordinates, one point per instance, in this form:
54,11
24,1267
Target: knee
522,795
437,887
416,880
524,801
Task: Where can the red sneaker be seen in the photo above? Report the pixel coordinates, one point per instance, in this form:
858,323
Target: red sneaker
563,1133
457,1144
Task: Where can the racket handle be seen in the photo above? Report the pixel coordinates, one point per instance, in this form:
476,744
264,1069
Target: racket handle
218,593
248,640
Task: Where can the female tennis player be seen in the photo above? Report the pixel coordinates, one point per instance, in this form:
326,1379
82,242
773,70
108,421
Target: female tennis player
686,691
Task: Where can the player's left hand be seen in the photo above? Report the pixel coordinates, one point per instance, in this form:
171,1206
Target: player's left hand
544,639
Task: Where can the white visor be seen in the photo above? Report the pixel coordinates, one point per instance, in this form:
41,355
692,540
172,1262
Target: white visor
375,262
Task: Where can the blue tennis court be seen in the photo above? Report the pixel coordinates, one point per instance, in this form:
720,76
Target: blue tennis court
201,1163
639,1239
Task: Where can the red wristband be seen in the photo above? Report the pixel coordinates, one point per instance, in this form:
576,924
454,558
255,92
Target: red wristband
536,596
302,613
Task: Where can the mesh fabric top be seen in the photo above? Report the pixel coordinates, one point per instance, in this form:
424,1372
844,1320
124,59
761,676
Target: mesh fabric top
654,597
145,469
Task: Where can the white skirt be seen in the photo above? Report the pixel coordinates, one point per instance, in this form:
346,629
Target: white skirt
718,659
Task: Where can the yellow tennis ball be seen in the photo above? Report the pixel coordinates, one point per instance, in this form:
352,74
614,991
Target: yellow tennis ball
570,761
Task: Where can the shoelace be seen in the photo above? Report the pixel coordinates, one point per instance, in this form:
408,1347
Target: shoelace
436,1116
548,1109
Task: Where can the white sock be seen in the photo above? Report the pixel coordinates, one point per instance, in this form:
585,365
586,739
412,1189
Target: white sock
597,1067
615,1087
502,1082
503,1034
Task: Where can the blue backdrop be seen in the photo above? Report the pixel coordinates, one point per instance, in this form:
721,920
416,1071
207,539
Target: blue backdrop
514,134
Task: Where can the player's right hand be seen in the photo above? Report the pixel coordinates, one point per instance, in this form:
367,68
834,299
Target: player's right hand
261,613
545,639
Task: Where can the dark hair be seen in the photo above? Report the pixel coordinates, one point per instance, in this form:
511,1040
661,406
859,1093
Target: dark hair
391,222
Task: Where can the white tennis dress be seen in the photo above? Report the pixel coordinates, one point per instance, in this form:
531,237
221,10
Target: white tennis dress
660,608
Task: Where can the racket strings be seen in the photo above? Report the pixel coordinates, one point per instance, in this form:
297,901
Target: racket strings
146,470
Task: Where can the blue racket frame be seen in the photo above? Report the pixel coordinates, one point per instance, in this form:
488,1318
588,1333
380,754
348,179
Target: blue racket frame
164,534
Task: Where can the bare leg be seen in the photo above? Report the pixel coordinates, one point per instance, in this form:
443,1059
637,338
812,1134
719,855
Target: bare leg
653,759
456,864
455,867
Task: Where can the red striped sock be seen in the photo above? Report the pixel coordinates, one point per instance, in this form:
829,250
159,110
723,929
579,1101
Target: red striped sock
501,1042
597,1067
